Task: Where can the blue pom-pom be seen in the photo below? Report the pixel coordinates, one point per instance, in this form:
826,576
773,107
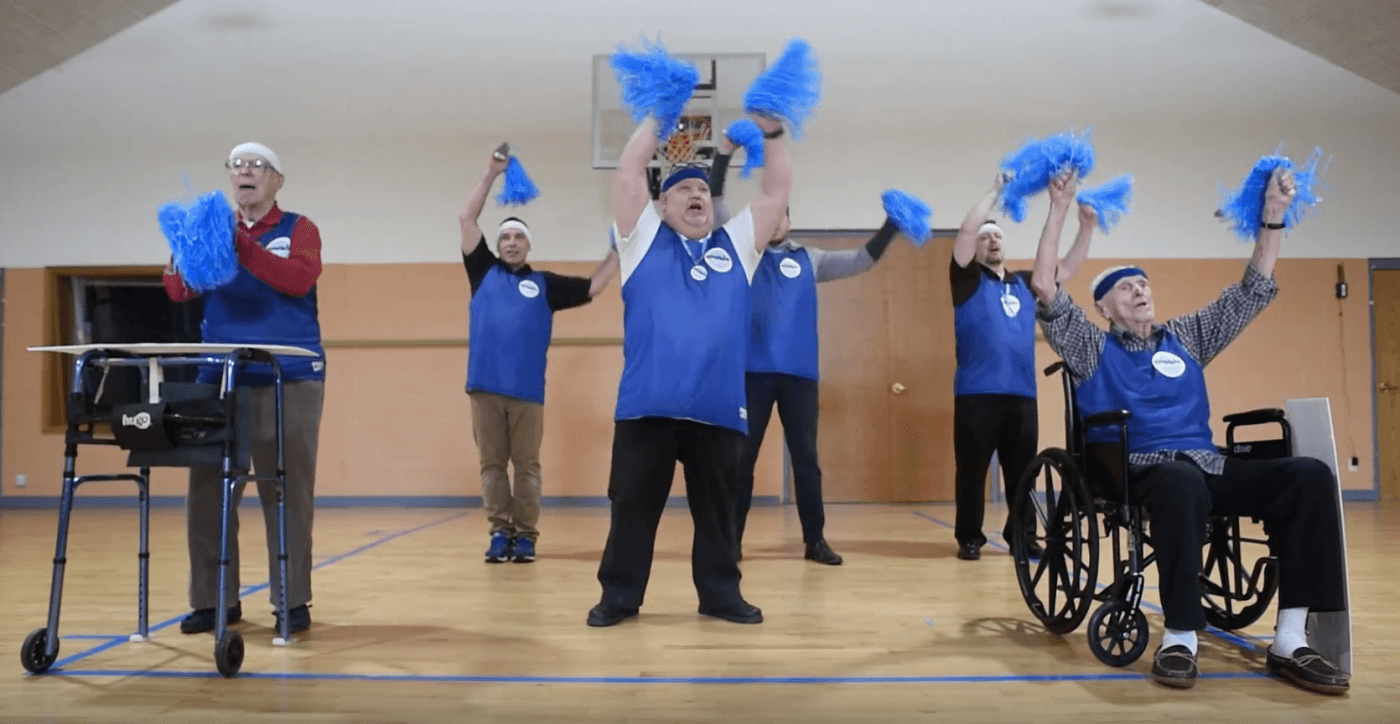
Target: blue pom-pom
1110,200
517,188
745,133
1243,208
789,89
910,215
1032,167
654,83
201,240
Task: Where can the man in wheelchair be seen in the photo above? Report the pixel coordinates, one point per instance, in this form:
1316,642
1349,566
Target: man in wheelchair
1154,372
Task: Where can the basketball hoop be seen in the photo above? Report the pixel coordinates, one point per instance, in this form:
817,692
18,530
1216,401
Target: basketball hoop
690,133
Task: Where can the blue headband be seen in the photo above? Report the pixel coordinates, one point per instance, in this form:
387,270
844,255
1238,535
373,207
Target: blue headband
1114,278
683,174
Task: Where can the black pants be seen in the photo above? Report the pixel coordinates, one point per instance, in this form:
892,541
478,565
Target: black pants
1007,424
1296,498
644,458
796,398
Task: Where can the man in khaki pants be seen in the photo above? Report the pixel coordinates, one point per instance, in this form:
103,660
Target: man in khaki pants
271,300
512,314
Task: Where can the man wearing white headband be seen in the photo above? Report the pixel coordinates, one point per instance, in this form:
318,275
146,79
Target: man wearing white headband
1155,372
994,388
279,263
512,316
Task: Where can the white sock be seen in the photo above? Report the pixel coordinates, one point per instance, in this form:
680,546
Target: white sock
1179,638
1291,633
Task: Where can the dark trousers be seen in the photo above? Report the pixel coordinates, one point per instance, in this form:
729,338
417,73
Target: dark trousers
1296,498
796,398
644,458
1007,424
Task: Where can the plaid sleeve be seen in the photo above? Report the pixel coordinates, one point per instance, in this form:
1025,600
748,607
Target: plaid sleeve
1074,338
1207,332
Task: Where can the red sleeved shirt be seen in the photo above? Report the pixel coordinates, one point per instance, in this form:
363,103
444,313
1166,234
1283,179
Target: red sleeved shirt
294,276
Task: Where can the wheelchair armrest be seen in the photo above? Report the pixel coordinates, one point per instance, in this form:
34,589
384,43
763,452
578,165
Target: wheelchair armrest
1110,417
1052,369
1255,417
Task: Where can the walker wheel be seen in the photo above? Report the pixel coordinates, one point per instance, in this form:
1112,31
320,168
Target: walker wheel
32,654
228,654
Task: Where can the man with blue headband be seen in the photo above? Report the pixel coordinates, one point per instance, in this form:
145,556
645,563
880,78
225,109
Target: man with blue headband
687,314
1154,371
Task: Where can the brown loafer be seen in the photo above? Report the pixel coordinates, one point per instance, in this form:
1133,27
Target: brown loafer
1175,666
1310,670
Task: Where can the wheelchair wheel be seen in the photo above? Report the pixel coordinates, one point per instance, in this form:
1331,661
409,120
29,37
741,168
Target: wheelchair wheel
1059,586
228,653
1233,595
32,653
1117,633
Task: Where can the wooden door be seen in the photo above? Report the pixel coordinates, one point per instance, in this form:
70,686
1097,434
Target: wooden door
922,363
887,360
853,430
1385,291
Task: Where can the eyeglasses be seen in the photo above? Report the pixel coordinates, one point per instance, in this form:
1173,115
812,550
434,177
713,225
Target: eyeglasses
255,164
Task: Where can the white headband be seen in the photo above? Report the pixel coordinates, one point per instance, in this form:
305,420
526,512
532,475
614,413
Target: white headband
513,224
988,226
259,149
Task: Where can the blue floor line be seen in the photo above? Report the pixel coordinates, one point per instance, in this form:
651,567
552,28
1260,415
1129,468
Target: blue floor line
248,590
1242,641
467,679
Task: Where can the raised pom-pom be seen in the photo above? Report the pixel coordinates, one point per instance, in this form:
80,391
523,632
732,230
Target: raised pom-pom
1110,200
1032,167
910,215
654,84
200,235
788,89
1243,208
746,134
517,189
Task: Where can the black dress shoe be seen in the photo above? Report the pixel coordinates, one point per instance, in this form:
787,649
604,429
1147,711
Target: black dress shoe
969,551
1175,666
822,553
741,612
299,619
202,619
608,615
1034,550
1308,669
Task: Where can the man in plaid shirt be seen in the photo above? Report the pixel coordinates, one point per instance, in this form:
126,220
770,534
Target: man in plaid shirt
1154,371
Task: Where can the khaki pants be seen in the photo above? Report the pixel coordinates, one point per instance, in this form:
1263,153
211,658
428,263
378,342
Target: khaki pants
301,409
507,429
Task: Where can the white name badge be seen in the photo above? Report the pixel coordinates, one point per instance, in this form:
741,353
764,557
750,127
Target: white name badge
698,273
1011,305
281,246
719,260
790,268
1169,364
529,289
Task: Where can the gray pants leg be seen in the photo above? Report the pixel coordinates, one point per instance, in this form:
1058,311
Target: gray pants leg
301,410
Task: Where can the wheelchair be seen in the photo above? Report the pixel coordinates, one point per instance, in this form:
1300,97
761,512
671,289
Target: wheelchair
163,424
1075,489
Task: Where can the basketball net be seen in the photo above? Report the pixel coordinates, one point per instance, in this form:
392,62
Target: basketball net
680,148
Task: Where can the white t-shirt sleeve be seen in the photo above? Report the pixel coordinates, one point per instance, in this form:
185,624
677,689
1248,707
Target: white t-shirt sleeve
741,234
632,248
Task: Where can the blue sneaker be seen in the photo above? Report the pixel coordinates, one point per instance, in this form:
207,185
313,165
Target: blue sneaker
524,550
499,552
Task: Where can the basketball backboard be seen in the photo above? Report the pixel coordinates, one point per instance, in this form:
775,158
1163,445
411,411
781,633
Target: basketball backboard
718,102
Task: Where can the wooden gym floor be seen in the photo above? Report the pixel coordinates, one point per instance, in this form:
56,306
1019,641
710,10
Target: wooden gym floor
412,626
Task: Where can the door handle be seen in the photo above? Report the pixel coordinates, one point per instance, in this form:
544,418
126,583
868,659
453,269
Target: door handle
897,388
1387,387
